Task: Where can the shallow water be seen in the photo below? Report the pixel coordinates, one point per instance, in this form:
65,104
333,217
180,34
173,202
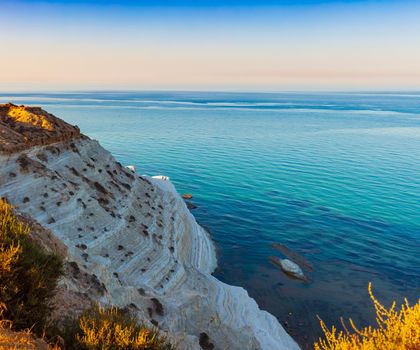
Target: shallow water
335,177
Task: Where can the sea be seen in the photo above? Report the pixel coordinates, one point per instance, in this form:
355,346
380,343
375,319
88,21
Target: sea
334,177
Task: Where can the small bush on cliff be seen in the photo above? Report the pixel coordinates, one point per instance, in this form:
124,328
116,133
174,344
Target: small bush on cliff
397,330
115,329
28,275
22,340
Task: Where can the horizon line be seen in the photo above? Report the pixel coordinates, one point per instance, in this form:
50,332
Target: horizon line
314,91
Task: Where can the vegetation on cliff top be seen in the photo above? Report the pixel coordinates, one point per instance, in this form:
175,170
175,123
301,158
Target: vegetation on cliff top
397,330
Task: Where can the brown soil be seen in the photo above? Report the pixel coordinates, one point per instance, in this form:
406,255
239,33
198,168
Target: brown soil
23,127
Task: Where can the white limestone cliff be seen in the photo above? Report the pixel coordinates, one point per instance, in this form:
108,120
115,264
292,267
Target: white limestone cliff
132,242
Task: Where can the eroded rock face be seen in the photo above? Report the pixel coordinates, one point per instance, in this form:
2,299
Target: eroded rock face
130,241
22,127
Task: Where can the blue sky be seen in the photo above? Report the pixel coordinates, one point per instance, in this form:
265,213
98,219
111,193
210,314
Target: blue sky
194,3
210,45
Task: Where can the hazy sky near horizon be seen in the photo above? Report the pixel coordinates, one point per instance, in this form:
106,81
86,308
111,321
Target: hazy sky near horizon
210,45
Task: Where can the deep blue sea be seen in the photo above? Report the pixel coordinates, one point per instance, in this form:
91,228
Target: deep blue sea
335,177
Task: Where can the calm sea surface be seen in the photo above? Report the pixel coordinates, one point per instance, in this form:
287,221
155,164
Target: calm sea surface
335,177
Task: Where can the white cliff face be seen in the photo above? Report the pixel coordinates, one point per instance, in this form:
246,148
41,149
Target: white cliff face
132,242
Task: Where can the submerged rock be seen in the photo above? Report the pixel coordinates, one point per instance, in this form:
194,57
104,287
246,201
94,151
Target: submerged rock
191,206
187,196
289,268
298,259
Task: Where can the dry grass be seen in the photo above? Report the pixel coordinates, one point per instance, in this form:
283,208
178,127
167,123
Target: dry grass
114,329
15,340
397,330
22,115
23,340
10,247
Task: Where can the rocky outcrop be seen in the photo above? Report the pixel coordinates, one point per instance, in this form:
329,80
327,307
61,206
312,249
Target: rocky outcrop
23,127
130,241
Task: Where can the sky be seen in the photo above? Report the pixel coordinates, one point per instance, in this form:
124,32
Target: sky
231,45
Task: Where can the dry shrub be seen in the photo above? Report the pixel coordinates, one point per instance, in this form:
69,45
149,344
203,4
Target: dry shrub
115,329
22,340
397,330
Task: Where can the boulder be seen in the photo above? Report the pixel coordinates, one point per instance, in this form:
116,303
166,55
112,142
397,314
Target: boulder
289,268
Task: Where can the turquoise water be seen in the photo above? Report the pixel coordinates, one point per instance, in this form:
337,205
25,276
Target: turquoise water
335,177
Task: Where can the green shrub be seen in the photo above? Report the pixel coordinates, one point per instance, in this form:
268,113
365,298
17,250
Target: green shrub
28,275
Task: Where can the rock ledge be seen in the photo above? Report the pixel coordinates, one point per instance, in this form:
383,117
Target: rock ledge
23,127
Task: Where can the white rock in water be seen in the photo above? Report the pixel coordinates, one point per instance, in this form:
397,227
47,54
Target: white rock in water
161,177
291,268
131,167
